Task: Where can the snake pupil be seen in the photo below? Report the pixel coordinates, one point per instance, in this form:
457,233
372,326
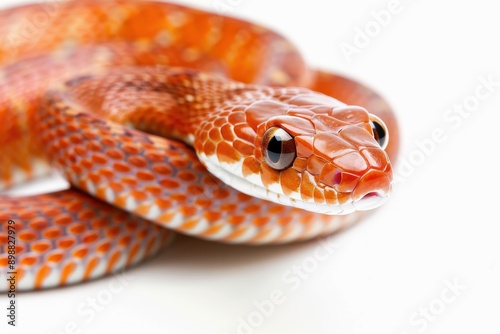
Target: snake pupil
274,149
379,131
278,147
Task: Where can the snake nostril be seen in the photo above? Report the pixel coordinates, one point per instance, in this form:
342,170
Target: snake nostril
337,178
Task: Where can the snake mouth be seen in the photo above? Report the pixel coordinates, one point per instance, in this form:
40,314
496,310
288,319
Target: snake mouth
228,174
370,201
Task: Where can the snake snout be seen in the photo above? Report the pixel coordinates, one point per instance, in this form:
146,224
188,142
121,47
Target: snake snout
372,190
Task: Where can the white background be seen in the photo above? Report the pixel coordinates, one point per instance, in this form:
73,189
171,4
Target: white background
440,226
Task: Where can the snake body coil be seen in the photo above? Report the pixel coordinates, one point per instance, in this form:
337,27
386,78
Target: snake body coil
166,118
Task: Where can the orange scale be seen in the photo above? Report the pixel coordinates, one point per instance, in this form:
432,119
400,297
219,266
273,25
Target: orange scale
25,215
236,233
220,193
104,247
285,220
187,176
121,167
75,207
92,264
88,131
147,146
141,234
154,190
240,197
261,234
252,209
114,153
109,141
106,173
100,223
209,180
133,252
63,220
76,169
260,221
227,132
75,138
121,201
180,164
236,117
117,187
87,214
112,232
129,181
112,261
195,189
66,242
150,245
212,230
203,202
27,236
142,210
163,204
145,175
169,183
29,260
243,147
125,241
90,237
94,146
86,163
130,149
215,135
209,148
212,216
166,217
4,238
228,207
236,220
198,167
80,253
55,256
66,271
4,261
64,143
94,177
181,198
138,161
154,156
132,225
173,153
139,195
307,219
162,169
276,209
20,248
187,210
77,228
41,246
52,233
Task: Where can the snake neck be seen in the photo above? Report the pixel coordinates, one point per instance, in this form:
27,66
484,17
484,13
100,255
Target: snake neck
176,103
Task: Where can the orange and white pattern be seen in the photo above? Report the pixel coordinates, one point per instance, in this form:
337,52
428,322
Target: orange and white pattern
133,101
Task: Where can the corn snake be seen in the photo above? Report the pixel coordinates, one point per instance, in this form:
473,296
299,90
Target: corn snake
104,84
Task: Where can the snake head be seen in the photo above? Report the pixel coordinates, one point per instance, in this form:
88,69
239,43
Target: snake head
300,148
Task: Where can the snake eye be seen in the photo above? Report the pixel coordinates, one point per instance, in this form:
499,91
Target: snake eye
380,132
278,148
